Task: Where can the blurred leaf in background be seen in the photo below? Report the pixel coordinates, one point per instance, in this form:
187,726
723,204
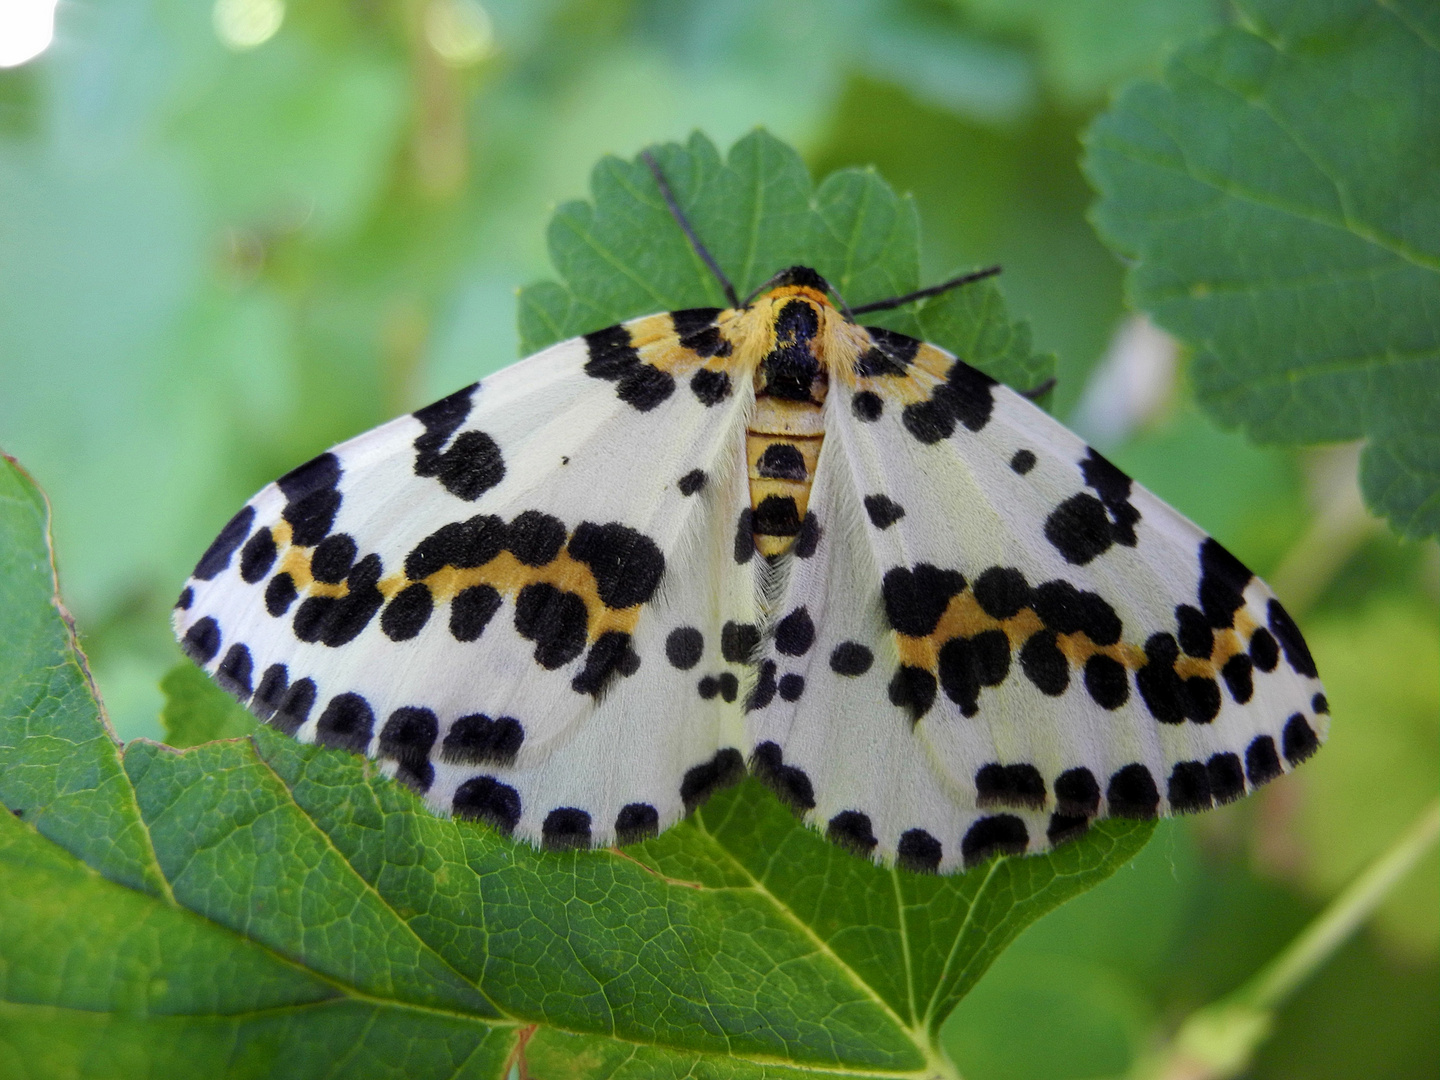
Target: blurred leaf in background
219,255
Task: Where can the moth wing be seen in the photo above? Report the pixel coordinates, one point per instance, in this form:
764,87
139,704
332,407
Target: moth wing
1049,642
481,593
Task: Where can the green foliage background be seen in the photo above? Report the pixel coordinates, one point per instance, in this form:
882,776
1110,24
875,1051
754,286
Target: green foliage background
213,264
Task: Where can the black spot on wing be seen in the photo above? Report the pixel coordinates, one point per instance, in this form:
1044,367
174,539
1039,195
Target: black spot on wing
1019,786
1298,740
555,620
294,706
710,387
689,321
535,538
1085,526
765,686
338,620
1023,461
472,464
1077,794
627,564
1132,793
966,664
1044,664
486,799
235,670
1068,610
684,646
1297,653
1002,592
565,828
852,830
851,658
725,768
795,633
280,594
1262,762
479,740
271,691
1002,834
217,555
810,532
789,784
406,739
461,544
347,723
636,822
916,598
1189,788
332,558
867,406
1223,579
609,656
1264,652
407,613
744,536
471,611
1106,681
912,689
897,347
1227,777
202,641
691,482
258,556
883,511
918,852
967,396
613,358
738,642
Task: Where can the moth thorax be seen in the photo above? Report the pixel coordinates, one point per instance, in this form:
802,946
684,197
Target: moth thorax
791,370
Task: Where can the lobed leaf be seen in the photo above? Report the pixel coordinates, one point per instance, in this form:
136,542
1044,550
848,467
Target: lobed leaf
1277,193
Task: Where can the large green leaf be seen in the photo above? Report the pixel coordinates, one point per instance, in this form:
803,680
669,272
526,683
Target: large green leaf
1279,191
252,906
624,255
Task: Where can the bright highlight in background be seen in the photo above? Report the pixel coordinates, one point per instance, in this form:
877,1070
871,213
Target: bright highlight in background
244,24
460,31
26,29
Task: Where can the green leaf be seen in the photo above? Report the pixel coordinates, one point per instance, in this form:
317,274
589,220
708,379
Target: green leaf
197,711
59,763
1276,191
623,255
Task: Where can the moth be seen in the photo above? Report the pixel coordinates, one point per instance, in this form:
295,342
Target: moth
574,599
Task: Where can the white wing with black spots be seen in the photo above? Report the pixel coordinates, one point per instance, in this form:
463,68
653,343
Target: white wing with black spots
481,594
1010,638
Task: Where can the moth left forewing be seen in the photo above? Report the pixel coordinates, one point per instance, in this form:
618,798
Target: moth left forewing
582,466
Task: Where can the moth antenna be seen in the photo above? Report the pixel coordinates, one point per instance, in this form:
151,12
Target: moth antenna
1035,393
933,290
679,215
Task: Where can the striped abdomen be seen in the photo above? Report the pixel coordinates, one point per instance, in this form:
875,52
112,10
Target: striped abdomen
783,440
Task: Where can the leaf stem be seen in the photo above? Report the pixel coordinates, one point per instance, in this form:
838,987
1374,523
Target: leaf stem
1278,979
1218,1041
